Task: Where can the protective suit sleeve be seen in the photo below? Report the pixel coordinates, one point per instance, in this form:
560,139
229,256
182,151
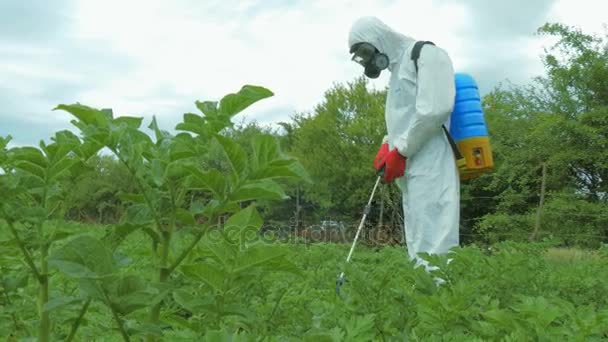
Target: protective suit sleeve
434,100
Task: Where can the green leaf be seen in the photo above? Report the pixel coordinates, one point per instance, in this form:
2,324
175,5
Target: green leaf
60,302
214,207
209,108
319,334
235,153
282,168
121,260
133,141
206,273
242,227
160,135
538,311
226,336
4,141
184,216
197,207
12,283
193,303
33,214
158,171
85,114
265,150
192,123
118,233
256,256
248,218
222,252
502,317
283,265
132,198
58,233
265,189
130,293
29,154
66,138
128,121
183,146
30,168
360,328
107,114
176,171
138,214
62,167
93,288
212,180
240,310
146,329
88,149
190,127
83,257
233,104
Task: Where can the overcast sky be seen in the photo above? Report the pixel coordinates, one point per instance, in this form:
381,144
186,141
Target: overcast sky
154,57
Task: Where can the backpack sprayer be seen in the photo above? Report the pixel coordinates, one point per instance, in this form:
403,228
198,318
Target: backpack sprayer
468,133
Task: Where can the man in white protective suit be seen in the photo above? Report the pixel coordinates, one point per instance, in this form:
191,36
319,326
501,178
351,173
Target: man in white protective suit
416,153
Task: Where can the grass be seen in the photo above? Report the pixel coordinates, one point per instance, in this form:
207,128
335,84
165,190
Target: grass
570,254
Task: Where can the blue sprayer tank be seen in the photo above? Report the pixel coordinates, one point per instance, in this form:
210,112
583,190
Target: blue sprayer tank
468,129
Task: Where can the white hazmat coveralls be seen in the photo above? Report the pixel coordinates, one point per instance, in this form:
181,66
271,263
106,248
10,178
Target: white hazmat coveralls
416,107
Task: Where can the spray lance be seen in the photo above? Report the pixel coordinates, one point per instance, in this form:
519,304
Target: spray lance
340,280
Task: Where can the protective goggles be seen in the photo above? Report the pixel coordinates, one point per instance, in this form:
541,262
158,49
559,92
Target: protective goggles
363,53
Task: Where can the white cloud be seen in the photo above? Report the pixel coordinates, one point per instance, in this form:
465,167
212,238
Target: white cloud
298,52
176,52
589,15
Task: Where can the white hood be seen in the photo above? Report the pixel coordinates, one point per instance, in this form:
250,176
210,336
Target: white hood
373,31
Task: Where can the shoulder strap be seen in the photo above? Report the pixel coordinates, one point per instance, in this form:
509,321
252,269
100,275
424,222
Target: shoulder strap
414,56
416,51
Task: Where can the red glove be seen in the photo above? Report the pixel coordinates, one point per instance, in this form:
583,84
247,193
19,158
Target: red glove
394,165
379,160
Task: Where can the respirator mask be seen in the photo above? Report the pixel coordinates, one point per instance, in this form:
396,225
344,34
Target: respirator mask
370,58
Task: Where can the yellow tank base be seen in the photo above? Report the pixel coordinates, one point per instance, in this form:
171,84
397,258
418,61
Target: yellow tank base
477,155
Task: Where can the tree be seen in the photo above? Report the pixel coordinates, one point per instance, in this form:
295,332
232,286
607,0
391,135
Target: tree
561,120
95,193
336,144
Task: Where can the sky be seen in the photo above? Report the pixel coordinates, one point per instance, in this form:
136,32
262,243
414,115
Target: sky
153,57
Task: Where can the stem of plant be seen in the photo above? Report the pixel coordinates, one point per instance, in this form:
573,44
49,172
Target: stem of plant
140,187
28,258
193,244
117,319
76,324
274,309
166,269
165,243
44,332
43,294
120,325
162,277
186,251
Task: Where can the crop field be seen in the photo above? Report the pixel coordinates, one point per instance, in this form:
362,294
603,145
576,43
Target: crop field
286,292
